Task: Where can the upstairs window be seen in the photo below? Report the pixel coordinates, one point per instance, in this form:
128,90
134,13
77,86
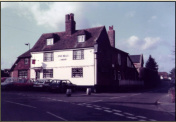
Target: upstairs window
78,54
81,38
48,56
26,61
49,41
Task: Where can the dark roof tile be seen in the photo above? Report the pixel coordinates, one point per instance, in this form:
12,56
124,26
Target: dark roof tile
135,58
26,54
63,41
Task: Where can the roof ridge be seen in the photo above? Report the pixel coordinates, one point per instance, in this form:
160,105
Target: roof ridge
92,28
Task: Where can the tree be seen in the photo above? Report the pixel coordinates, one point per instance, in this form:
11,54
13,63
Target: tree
172,73
151,64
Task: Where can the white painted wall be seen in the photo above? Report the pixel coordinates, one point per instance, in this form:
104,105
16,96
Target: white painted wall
63,64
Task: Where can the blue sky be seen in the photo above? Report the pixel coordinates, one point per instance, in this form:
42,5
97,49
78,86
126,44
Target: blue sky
146,28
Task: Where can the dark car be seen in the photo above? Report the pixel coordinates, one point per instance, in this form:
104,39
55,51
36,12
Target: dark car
42,84
23,84
8,84
58,85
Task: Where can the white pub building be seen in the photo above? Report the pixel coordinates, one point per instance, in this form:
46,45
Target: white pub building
87,57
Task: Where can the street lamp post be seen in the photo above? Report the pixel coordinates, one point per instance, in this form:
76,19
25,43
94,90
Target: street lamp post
27,45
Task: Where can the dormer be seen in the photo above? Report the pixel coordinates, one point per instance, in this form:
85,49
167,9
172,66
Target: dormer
51,39
81,37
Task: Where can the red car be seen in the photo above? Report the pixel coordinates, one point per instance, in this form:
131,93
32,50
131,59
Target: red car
23,84
3,79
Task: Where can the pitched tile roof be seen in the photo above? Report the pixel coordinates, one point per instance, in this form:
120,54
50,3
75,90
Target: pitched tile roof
63,41
135,58
26,54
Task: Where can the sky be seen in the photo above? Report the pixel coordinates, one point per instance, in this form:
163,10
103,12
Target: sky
146,28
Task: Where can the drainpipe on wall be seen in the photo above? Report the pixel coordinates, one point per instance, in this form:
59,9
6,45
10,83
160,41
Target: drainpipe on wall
95,63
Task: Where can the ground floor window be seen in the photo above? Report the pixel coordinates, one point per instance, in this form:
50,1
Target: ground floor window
22,73
47,73
77,72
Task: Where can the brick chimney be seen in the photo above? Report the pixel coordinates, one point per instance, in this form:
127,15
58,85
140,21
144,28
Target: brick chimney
69,24
111,35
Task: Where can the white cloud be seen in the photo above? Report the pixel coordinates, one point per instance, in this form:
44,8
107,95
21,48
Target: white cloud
52,16
135,42
150,43
130,14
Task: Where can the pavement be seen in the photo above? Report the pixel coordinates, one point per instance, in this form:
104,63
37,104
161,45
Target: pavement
165,104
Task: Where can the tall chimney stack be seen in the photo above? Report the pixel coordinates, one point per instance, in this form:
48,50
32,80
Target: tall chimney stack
111,35
70,24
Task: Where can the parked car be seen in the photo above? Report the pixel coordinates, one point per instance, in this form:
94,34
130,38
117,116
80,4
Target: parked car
61,85
42,84
8,83
3,79
24,84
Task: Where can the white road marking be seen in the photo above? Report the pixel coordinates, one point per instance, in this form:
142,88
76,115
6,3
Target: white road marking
118,114
53,99
59,100
79,104
57,116
21,104
48,98
98,108
131,117
128,114
142,117
89,106
135,94
114,97
97,100
108,111
117,110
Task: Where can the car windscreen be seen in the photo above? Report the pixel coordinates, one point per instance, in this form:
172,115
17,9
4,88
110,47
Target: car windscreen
8,80
56,82
39,81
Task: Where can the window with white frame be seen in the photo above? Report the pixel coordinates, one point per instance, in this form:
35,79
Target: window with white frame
119,59
22,73
81,38
77,72
49,41
48,56
78,54
47,73
26,61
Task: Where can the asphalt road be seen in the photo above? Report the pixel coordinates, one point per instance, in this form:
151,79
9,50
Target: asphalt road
45,106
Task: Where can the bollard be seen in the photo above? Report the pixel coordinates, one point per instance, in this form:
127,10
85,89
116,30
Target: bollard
88,91
68,93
